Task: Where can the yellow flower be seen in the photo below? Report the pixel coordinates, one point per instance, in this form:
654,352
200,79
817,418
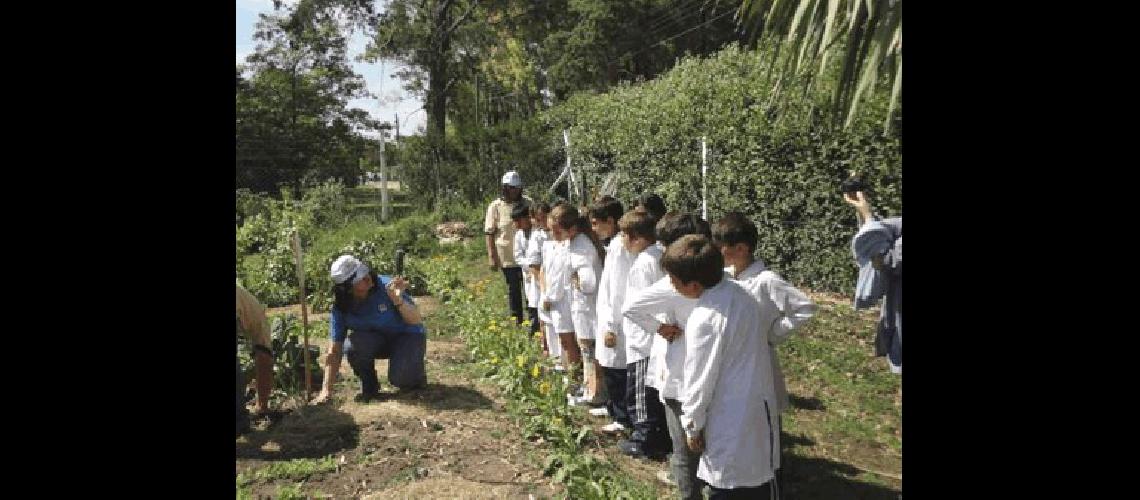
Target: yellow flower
534,372
494,360
526,323
544,388
557,420
538,334
520,360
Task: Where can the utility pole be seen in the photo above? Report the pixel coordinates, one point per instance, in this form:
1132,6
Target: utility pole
383,183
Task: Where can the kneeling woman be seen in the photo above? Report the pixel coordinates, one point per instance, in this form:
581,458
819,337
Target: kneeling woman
384,323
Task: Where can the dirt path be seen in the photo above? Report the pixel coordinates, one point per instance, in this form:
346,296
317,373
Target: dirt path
449,440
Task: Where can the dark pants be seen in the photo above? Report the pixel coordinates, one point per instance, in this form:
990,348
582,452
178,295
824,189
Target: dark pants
515,288
683,461
762,492
532,315
645,410
615,381
242,413
404,352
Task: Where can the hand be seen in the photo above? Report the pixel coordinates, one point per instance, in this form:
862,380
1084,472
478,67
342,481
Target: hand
669,332
855,199
396,289
696,444
611,340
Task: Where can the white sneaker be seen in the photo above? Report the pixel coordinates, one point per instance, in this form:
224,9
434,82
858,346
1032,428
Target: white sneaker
613,428
599,412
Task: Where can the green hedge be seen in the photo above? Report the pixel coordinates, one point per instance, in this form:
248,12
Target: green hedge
776,157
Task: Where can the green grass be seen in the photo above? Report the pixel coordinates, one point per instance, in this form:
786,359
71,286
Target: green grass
298,469
833,356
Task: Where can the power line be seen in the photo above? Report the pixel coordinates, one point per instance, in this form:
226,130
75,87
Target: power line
710,21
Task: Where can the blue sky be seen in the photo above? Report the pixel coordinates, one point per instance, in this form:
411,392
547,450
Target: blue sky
379,76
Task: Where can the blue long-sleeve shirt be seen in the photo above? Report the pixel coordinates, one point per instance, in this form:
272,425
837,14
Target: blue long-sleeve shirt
376,312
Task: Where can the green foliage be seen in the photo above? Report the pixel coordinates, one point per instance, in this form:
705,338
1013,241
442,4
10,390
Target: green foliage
297,469
266,265
288,354
771,155
293,125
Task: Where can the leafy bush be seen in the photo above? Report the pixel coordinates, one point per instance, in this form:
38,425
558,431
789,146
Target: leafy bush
772,155
288,355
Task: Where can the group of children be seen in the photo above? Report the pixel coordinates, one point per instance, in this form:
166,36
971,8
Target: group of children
673,323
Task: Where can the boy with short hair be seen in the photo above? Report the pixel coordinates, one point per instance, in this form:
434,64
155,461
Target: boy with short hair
783,306
727,393
667,356
609,345
649,437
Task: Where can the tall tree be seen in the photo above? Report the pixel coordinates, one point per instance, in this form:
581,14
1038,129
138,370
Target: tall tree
293,115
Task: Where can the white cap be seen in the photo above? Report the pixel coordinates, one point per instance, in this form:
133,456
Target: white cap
347,266
512,178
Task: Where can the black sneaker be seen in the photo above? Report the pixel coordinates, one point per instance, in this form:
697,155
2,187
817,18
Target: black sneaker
631,448
368,397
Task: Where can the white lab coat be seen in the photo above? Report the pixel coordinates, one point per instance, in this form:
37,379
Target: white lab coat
611,298
666,358
645,271
727,389
556,271
782,309
584,260
530,285
533,257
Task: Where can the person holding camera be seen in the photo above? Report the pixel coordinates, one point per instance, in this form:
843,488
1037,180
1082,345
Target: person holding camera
384,324
877,248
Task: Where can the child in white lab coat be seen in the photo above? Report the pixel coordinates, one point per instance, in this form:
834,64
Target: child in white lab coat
585,260
727,394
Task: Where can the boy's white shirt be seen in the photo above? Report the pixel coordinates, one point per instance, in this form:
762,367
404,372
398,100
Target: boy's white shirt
556,273
783,308
583,259
519,248
611,298
727,389
785,305
645,271
666,359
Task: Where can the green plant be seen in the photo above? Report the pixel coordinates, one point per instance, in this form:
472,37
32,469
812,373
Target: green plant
508,355
288,355
772,155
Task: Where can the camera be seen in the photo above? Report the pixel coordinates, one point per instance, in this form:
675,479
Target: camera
399,262
850,186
